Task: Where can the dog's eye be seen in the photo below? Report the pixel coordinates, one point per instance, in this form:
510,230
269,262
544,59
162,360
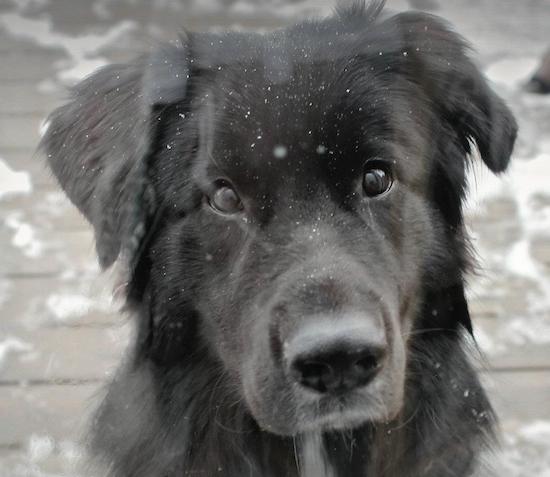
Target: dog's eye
225,199
377,178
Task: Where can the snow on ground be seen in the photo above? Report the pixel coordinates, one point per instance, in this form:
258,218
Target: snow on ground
82,50
512,72
69,305
44,452
9,345
13,182
525,453
24,236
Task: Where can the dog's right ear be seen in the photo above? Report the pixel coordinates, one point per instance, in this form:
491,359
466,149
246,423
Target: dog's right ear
436,58
98,146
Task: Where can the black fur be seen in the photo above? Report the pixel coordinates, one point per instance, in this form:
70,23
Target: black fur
214,297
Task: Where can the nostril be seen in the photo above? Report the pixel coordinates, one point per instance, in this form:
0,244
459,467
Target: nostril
309,369
368,362
366,367
369,358
313,374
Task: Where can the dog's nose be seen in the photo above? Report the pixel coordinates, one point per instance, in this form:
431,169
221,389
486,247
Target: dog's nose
336,361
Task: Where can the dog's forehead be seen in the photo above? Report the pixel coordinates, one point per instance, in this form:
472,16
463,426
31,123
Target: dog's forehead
288,106
294,128
267,109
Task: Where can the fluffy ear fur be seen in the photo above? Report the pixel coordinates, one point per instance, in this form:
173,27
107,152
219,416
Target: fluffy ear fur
425,50
436,59
98,146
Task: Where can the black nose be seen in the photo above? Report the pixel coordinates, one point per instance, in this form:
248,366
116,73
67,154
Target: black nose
336,362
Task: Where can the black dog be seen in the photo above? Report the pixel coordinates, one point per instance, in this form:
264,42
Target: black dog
288,207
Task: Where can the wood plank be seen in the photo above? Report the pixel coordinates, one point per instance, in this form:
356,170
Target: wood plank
26,98
510,340
53,354
32,65
519,397
58,411
46,208
19,132
83,300
28,159
32,251
10,44
63,328
42,456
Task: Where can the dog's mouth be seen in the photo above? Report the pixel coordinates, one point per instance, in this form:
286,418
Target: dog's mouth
379,401
338,413
290,410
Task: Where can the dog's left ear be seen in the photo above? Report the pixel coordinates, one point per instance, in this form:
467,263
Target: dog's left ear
98,146
436,58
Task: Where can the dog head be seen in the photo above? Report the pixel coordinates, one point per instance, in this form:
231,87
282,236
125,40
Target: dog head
289,206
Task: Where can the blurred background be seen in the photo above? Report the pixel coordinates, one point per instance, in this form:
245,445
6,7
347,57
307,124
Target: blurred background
60,333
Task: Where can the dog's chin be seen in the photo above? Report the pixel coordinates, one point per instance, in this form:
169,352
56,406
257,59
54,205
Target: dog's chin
326,417
338,421
342,416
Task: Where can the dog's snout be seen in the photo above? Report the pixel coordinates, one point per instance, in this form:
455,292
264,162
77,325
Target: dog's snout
336,357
